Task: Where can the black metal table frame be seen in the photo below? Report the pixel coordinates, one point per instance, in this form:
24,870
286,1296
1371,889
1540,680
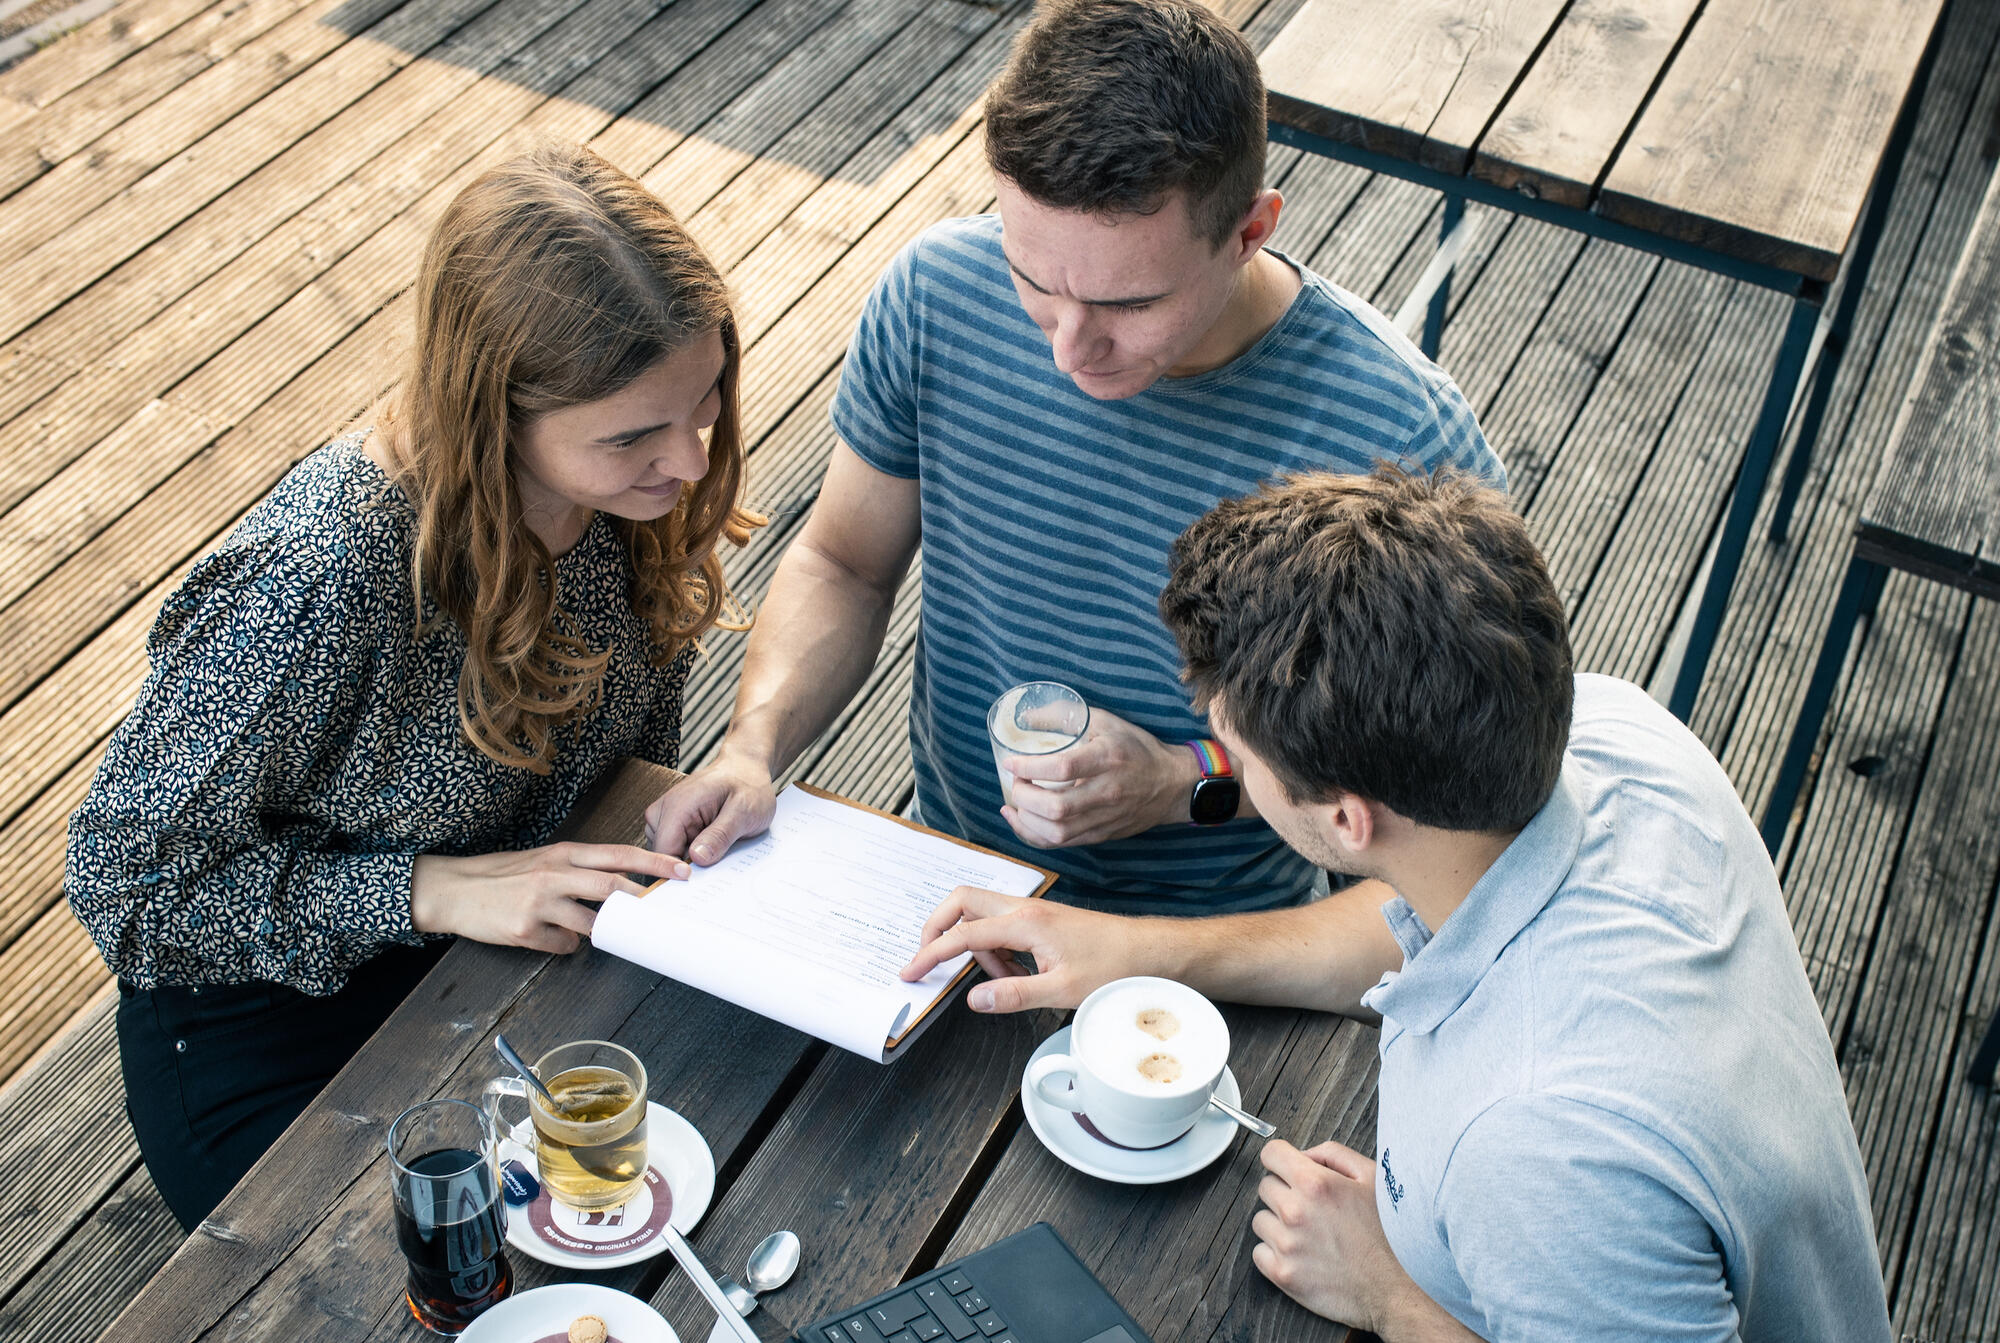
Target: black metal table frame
1808,297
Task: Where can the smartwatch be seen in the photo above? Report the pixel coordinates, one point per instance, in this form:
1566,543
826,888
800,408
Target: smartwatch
1217,793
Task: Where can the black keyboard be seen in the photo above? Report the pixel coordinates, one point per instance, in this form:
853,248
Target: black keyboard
1028,1288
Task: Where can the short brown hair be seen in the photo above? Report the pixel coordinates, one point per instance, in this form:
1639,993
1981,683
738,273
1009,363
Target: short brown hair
1112,106
1390,635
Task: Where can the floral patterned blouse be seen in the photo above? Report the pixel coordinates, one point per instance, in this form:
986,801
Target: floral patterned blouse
296,746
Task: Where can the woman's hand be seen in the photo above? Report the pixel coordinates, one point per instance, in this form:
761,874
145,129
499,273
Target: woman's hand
544,899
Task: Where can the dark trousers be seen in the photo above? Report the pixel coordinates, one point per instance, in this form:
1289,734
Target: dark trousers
214,1074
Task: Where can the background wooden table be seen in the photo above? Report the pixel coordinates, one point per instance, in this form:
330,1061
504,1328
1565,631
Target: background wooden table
1741,136
882,1171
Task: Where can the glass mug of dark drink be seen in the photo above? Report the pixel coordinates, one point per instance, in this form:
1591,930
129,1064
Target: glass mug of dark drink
590,1152
451,1223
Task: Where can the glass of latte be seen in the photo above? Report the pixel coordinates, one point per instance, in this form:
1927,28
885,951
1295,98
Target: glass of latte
1037,718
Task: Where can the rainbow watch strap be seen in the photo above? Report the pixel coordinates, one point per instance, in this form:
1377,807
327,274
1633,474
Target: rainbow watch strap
1214,760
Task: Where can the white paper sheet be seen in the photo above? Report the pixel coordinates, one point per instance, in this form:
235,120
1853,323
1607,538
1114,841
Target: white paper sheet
809,923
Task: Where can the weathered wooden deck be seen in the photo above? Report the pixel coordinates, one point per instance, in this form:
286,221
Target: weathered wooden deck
207,208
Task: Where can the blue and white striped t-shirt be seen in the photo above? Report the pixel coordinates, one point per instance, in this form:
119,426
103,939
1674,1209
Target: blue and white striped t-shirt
1047,518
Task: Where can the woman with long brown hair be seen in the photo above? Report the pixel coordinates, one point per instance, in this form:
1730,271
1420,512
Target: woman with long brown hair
371,707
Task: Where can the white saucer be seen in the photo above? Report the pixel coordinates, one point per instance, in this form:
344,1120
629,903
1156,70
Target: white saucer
680,1180
546,1312
1061,1134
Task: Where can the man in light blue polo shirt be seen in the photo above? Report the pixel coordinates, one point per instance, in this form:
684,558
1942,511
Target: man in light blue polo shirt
1608,1107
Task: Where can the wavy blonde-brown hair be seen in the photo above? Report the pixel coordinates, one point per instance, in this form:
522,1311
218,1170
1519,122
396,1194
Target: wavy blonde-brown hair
553,280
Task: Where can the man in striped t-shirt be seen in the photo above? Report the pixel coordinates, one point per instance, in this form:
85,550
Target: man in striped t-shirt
1042,399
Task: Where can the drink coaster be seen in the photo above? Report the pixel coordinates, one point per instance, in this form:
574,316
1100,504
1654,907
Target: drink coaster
1074,1146
680,1180
546,1312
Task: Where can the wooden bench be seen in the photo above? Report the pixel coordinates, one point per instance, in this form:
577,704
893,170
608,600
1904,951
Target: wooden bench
1934,509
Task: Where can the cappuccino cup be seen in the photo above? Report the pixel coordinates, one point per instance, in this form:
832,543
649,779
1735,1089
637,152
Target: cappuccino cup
1144,1056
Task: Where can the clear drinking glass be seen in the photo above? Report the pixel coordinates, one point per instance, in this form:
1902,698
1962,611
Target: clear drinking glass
1037,718
451,1222
593,1153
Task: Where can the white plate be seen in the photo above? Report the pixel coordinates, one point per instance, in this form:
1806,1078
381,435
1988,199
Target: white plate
680,1180
1061,1134
547,1311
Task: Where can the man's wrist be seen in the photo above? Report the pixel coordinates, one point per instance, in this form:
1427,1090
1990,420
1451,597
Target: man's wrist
1182,773
742,752
1167,947
1215,796
1405,1313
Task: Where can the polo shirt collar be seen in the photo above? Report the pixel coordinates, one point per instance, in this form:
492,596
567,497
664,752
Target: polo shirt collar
1440,971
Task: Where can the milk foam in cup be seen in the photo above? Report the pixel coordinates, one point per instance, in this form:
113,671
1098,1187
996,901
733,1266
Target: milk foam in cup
1144,1056
1037,718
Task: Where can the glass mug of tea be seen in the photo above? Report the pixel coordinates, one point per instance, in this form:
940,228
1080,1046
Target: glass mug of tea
590,1153
451,1222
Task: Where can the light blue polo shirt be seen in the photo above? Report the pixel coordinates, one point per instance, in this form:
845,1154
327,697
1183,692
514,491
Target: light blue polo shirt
1609,1108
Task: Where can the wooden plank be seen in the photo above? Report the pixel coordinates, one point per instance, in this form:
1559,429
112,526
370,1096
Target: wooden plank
1948,1282
1530,419
105,481
1762,140
1580,497
1555,138
1897,1054
293,232
31,853
790,95
1648,554
56,1174
1858,815
69,125
868,1163
1177,1256
1783,597
843,134
1388,221
98,46
353,87
1515,271
63,719
53,970
109,1258
49,207
1935,507
96,489
1432,77
227,474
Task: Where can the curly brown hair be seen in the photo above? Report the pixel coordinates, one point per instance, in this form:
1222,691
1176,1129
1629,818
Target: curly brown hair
1391,635
553,280
1113,106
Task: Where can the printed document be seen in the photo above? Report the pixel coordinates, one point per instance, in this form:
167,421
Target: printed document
809,922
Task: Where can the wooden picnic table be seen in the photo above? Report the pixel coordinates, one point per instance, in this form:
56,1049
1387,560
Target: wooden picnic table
1742,136
883,1171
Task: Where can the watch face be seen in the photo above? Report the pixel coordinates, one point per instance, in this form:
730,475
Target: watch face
1214,801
